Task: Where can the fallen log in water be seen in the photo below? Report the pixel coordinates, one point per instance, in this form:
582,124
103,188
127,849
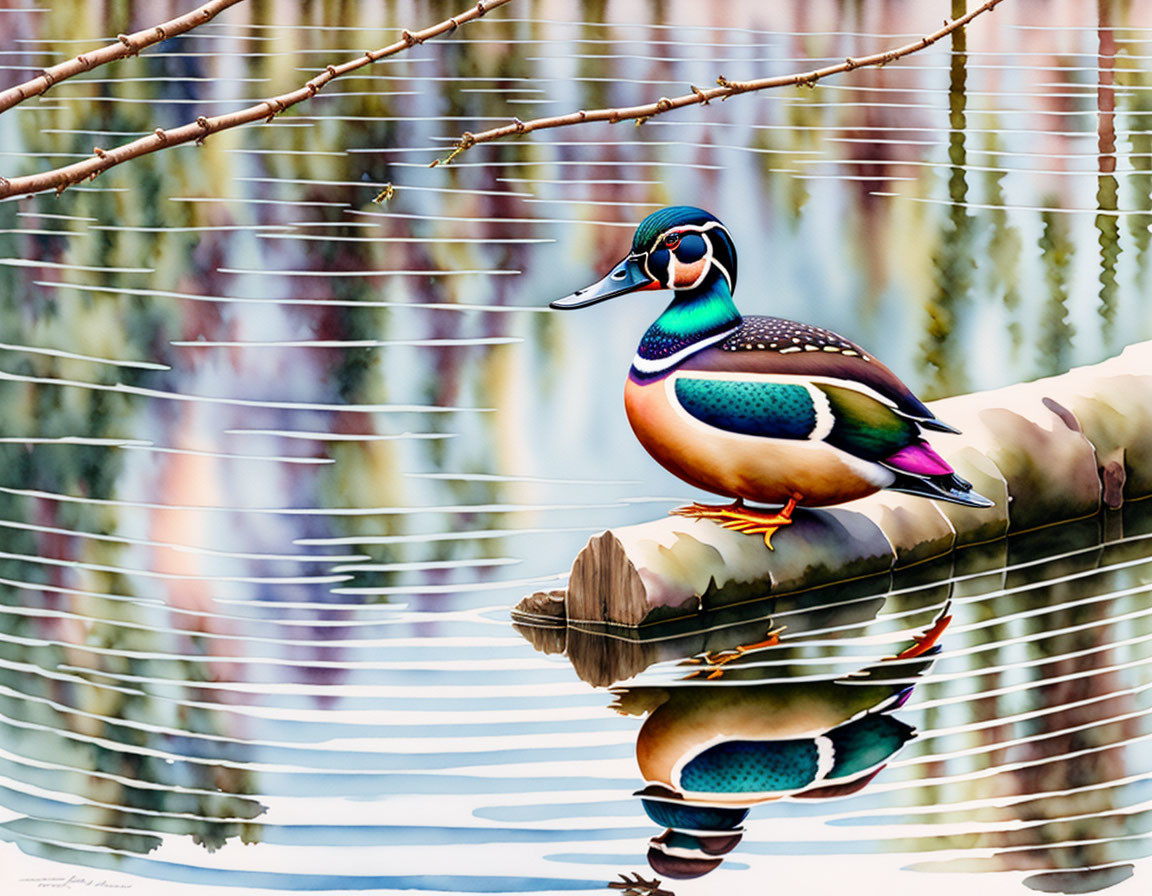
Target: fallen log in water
1046,452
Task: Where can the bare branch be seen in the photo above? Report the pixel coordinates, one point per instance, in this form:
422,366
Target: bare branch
60,179
638,886
126,45
702,97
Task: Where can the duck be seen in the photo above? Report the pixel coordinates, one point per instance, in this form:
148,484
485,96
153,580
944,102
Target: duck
768,736
760,409
709,754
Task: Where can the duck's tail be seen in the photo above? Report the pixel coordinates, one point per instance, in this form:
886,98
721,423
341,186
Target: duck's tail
919,470
941,487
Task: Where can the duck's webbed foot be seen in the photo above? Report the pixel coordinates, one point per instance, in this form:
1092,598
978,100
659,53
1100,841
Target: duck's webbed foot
927,639
714,661
739,518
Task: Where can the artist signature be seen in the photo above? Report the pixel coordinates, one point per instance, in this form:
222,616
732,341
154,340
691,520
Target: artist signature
74,880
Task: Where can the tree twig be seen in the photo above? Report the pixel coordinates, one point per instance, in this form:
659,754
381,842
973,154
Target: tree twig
103,159
638,886
126,45
702,97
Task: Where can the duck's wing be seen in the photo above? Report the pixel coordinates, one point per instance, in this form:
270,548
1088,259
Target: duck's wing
772,406
772,345
778,379
765,406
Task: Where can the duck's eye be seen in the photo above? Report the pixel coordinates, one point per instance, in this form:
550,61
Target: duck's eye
672,240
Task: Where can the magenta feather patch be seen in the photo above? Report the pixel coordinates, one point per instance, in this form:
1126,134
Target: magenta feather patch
920,460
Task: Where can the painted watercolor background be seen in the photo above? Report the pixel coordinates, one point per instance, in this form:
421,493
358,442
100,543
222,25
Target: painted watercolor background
276,459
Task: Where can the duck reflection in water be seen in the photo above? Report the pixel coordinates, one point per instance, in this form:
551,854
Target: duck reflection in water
713,746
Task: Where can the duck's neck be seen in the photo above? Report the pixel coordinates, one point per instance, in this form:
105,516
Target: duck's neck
696,319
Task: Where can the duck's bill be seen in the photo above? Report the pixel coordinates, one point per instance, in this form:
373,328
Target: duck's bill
628,276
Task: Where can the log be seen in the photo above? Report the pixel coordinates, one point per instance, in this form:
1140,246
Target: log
1046,452
825,621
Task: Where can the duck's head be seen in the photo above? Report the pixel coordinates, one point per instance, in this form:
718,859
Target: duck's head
681,248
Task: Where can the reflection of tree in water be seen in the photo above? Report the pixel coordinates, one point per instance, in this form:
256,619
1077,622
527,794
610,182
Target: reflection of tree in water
72,732
943,351
1073,681
1051,782
1107,187
1080,748
130,795
1004,245
1137,105
1056,331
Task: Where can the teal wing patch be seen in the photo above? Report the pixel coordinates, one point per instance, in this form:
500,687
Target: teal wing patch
749,766
866,743
864,426
772,410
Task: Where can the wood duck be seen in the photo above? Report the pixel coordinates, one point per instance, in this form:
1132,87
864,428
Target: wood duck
760,408
765,738
709,753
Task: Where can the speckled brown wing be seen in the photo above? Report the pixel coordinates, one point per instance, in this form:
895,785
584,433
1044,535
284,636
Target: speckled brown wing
772,345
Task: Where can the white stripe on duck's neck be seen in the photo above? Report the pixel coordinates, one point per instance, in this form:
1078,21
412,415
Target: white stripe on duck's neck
696,319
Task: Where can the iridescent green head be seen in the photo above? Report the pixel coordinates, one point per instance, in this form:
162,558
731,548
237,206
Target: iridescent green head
681,248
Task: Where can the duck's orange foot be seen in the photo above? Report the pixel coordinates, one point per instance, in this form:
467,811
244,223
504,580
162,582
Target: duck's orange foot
740,518
715,661
925,641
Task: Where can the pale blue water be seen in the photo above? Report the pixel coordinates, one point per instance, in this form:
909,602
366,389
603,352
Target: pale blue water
255,605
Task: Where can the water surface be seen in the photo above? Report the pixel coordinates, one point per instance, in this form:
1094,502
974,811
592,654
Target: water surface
277,458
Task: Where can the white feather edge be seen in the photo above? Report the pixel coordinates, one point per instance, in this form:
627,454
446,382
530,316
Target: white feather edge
658,365
702,229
